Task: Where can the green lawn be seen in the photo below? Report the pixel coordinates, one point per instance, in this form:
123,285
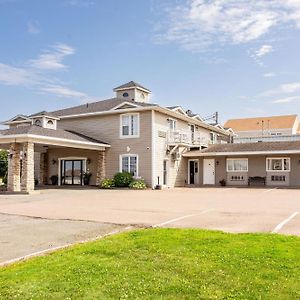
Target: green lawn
162,264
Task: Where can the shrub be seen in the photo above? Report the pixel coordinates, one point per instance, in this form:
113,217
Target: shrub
107,184
138,185
123,179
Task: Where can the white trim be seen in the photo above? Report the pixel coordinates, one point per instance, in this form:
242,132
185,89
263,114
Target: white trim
281,158
195,160
198,118
11,121
131,88
138,126
129,155
236,171
240,153
179,108
84,159
153,138
125,103
38,139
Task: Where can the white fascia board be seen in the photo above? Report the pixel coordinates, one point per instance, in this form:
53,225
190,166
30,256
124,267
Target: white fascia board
44,116
133,87
38,139
125,103
241,153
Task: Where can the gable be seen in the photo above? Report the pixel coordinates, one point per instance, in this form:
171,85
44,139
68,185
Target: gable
125,105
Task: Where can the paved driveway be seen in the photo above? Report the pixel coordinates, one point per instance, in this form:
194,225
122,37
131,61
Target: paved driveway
57,217
228,209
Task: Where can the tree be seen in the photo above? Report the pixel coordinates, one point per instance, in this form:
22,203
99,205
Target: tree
3,163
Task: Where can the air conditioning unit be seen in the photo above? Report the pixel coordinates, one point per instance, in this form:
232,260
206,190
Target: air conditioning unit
176,156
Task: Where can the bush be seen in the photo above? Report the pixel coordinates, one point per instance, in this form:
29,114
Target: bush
123,179
107,184
138,185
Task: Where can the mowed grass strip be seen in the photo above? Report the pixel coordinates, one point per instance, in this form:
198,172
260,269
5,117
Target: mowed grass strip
162,264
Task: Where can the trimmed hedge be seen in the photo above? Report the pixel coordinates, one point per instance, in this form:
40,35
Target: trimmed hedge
123,179
138,185
107,184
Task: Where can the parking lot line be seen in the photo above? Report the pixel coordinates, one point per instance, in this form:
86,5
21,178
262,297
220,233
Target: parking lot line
181,218
280,225
270,190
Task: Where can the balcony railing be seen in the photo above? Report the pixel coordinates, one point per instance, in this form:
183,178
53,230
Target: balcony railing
177,137
269,138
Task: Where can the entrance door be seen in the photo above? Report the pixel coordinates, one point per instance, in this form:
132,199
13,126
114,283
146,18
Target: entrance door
71,172
193,172
208,171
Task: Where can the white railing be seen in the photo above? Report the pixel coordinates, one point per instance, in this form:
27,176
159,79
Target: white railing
269,138
187,138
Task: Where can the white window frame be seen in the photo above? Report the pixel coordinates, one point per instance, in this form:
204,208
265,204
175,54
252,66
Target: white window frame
282,158
174,121
236,171
129,136
137,163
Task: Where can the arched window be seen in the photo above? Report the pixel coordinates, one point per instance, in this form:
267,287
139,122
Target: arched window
50,122
38,123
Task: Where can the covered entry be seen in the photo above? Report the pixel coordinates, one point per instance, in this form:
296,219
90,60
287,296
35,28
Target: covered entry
38,154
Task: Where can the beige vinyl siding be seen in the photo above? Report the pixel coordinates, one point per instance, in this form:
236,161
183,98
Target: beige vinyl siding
107,129
177,170
295,171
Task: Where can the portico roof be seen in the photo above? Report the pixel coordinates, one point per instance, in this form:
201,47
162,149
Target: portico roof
260,148
58,137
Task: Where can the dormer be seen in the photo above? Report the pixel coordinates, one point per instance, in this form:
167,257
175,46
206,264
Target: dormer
133,91
45,120
17,121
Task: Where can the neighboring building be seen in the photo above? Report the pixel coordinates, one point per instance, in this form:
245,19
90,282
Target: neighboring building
275,163
273,128
125,133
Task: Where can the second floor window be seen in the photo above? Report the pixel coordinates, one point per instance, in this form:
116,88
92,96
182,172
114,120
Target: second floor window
172,124
130,125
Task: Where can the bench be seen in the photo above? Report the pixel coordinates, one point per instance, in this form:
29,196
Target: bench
257,180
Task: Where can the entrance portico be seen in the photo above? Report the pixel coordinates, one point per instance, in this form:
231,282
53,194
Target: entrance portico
35,157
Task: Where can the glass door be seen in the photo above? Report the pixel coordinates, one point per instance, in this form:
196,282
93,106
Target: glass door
71,172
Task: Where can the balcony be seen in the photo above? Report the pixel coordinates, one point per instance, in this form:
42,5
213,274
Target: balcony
267,138
186,138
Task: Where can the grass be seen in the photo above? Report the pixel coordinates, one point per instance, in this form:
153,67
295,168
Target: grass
162,264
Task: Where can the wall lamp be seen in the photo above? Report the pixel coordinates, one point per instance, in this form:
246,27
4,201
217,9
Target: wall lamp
88,161
54,162
217,162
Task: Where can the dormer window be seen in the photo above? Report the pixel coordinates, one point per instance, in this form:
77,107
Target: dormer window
50,122
38,123
125,95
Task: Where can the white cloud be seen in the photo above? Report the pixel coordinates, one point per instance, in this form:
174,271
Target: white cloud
287,88
33,27
263,50
52,59
199,24
63,91
286,100
10,75
33,74
270,74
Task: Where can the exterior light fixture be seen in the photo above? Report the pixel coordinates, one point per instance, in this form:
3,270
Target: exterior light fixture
53,162
88,161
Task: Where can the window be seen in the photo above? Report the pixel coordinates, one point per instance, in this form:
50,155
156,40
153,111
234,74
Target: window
237,165
213,137
38,123
278,164
130,125
50,122
172,124
129,163
125,95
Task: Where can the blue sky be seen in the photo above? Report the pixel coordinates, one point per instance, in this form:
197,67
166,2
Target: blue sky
238,57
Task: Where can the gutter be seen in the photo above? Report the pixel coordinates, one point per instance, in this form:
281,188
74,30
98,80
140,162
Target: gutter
241,153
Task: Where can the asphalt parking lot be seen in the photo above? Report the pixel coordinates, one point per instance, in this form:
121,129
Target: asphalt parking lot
96,211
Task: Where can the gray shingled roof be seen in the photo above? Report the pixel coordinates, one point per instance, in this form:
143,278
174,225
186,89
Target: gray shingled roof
249,147
58,133
99,106
130,84
43,113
